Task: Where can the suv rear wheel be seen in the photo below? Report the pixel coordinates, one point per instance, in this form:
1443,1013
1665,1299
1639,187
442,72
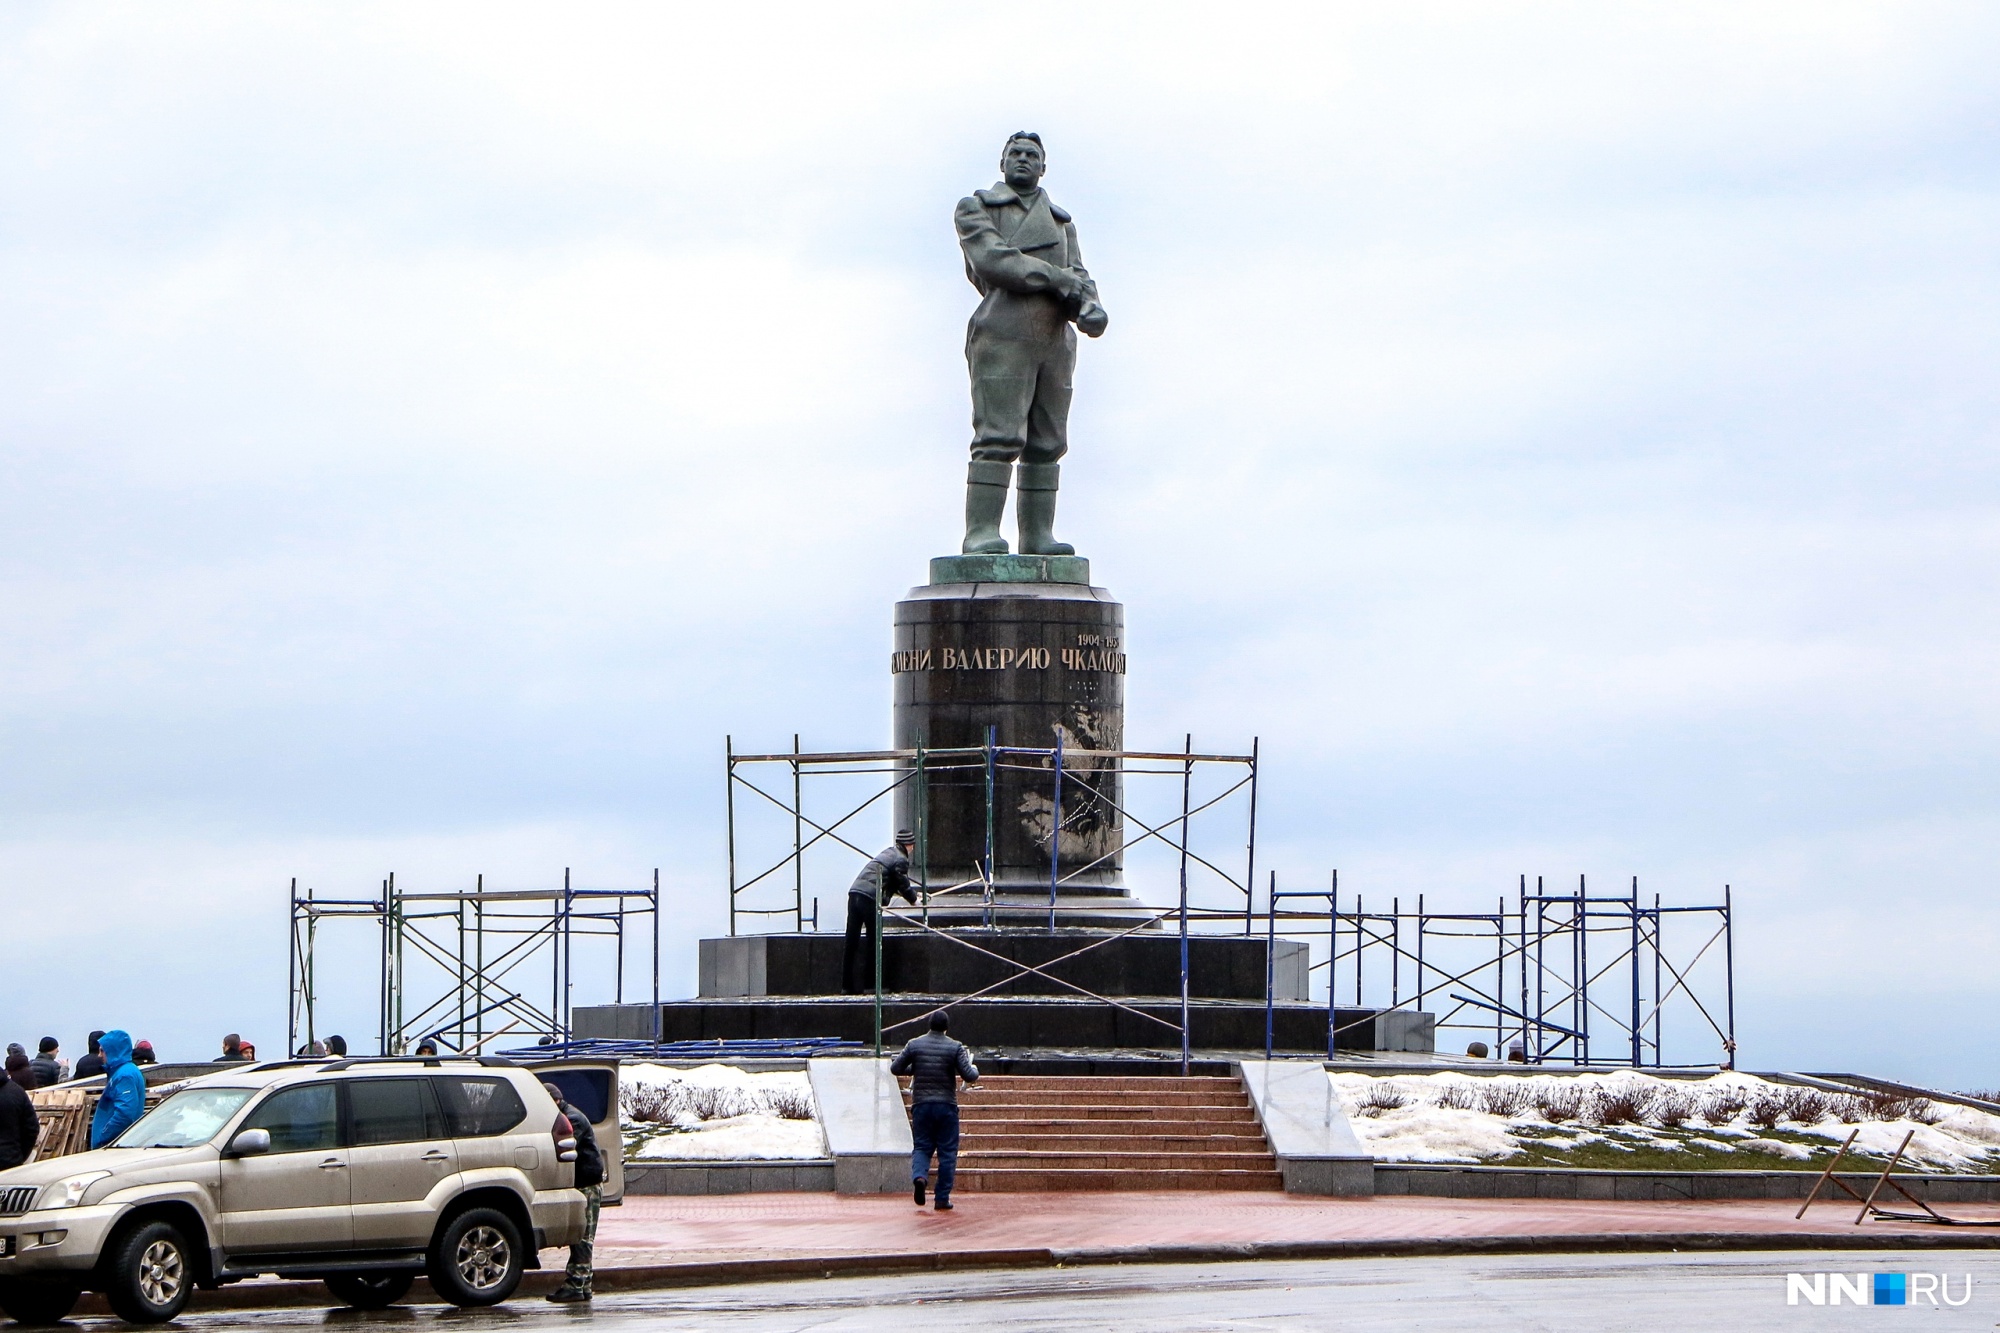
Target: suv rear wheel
148,1274
476,1258
37,1302
370,1291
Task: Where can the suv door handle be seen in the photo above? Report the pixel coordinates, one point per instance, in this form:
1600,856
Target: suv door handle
333,1164
434,1156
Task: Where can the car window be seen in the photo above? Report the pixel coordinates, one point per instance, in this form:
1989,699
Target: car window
476,1107
588,1090
393,1110
300,1119
188,1117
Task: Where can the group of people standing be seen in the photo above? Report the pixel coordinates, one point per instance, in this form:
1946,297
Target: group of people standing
48,1066
120,1102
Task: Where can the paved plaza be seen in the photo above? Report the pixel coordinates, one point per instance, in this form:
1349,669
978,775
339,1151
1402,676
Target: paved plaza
650,1231
1742,1293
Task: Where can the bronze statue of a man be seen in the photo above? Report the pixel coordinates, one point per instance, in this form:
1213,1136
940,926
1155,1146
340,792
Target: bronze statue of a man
1021,253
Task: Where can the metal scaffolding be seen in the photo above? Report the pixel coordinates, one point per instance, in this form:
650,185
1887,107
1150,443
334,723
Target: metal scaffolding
1076,785
472,951
1543,973
1536,971
1075,778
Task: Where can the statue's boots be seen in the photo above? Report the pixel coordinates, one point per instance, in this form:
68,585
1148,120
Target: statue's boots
1036,501
985,501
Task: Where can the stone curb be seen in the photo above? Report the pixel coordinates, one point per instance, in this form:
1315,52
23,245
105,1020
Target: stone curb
271,1295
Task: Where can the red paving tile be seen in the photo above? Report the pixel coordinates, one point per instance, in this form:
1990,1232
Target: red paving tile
656,1230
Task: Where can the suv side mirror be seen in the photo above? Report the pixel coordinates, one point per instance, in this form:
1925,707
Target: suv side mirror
250,1143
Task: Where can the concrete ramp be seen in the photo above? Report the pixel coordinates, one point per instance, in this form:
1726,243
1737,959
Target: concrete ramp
1316,1147
867,1130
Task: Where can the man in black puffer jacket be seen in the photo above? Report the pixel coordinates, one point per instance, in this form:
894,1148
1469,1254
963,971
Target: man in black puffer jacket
589,1179
935,1064
18,1122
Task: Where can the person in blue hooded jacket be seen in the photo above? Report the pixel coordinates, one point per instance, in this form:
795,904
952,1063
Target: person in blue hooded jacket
123,1100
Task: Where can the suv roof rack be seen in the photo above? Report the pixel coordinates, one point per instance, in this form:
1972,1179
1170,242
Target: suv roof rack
297,1062
428,1060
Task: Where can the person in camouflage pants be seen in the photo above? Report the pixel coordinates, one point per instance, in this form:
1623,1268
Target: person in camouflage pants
590,1183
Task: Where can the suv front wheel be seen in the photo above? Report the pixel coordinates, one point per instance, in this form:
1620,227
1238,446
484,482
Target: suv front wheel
148,1274
476,1259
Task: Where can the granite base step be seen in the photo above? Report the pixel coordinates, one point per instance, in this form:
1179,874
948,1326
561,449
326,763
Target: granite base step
1034,1113
1040,1180
1043,1132
1153,1143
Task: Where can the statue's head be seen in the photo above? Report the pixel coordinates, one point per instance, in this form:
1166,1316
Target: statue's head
1022,161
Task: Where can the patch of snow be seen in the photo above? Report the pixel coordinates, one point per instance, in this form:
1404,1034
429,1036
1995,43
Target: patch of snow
1796,1152
718,1112
1455,1117
728,1089
739,1138
1931,1145
1965,1123
711,1076
1420,1133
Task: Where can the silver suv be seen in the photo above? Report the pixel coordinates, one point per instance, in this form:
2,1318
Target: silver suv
362,1172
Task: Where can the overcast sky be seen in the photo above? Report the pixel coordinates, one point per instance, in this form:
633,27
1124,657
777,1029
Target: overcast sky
1565,435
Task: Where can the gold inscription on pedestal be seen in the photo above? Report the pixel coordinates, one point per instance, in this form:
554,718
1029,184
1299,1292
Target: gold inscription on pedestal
1092,652
1094,659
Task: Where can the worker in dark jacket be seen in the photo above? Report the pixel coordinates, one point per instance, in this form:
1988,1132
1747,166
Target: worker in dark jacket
886,875
48,1064
92,1063
935,1064
589,1179
123,1100
18,1122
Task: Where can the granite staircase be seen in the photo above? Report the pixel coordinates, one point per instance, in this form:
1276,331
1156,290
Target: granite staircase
1028,1133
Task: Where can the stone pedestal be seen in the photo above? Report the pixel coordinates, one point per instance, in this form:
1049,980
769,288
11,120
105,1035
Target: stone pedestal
1142,963
1022,646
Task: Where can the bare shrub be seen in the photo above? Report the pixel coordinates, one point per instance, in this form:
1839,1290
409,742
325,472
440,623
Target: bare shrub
1807,1106
1458,1097
1849,1109
644,1102
1672,1108
1556,1105
1888,1106
720,1103
662,1104
1381,1097
1723,1105
1768,1110
789,1103
1622,1106
1505,1099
